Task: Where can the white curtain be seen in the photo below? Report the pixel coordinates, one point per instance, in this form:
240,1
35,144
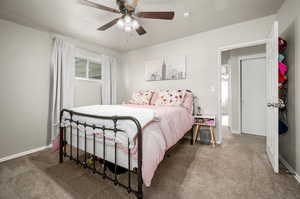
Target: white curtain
114,75
62,81
109,76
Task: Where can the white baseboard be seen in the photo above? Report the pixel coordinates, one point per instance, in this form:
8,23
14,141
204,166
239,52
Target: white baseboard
18,155
290,168
235,132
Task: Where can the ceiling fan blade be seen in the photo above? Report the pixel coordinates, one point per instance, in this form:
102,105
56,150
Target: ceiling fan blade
156,15
108,25
141,31
99,6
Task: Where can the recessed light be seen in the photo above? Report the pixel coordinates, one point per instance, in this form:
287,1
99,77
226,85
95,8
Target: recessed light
186,15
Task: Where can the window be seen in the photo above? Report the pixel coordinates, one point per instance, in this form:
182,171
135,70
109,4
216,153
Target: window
80,67
94,70
87,69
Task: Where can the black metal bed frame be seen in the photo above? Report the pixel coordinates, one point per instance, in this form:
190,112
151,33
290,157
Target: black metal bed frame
63,148
63,151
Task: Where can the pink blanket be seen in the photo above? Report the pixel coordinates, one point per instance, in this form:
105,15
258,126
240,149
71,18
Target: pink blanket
160,136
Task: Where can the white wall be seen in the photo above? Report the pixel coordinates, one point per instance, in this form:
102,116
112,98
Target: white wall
87,93
289,26
24,86
202,62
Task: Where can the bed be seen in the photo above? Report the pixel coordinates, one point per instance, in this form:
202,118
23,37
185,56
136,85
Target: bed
132,137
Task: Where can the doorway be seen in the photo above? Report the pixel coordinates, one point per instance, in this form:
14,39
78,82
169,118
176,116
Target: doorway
243,90
272,95
226,95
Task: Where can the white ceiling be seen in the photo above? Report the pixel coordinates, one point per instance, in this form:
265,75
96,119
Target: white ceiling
69,18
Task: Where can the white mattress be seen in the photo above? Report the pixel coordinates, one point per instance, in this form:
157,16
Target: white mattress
122,156
143,115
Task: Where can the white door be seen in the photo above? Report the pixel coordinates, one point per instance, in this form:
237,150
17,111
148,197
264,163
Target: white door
272,98
253,95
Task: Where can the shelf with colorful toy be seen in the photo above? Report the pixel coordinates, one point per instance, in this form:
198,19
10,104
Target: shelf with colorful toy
283,86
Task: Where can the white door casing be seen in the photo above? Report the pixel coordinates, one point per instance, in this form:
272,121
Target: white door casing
272,98
219,57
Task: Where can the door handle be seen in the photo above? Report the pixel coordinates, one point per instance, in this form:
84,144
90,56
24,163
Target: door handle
274,105
270,105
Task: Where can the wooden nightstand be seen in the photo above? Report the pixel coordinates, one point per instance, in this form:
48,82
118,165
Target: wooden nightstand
204,121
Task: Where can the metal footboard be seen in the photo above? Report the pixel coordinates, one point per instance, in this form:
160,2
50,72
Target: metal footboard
63,148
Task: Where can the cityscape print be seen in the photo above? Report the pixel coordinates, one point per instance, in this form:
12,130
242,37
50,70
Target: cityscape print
167,68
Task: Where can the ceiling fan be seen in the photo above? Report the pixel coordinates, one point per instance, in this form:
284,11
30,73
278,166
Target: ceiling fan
128,21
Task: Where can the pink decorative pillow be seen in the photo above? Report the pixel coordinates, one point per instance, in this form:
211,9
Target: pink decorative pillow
188,102
154,97
170,97
141,97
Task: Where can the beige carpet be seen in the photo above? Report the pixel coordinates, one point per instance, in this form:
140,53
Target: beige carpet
238,169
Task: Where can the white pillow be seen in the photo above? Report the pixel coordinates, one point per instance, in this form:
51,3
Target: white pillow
141,97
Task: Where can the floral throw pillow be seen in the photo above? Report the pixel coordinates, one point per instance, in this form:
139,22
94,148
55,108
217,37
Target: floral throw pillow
141,97
170,97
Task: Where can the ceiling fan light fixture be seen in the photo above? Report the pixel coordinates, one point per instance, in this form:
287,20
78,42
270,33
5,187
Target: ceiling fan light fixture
128,24
121,23
127,19
128,28
135,24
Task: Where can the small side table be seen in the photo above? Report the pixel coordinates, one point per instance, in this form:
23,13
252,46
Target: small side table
204,121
